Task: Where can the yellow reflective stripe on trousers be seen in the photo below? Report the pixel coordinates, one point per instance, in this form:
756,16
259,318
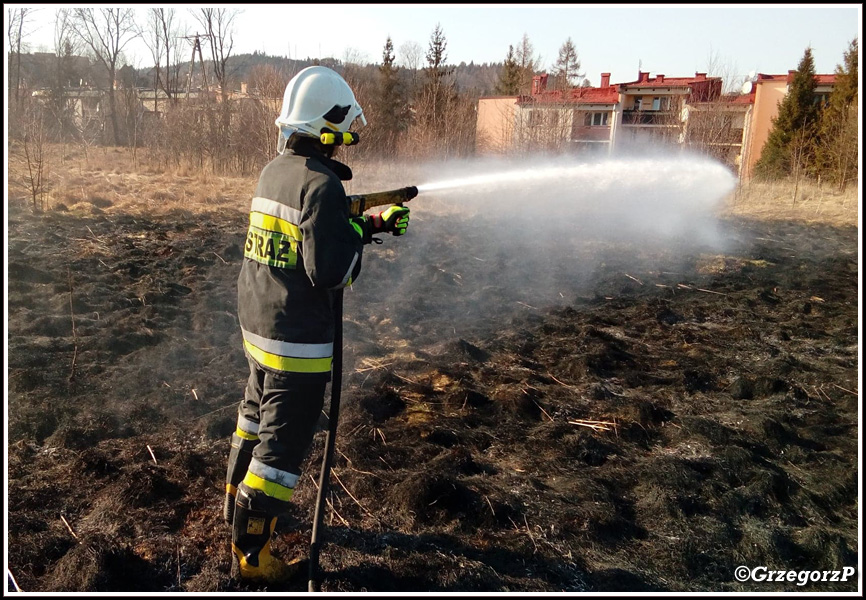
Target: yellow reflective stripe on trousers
248,426
274,490
288,364
246,436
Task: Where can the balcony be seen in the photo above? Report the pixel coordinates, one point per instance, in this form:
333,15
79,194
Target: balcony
590,134
711,137
650,117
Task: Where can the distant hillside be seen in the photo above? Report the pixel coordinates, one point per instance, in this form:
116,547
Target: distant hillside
37,71
471,78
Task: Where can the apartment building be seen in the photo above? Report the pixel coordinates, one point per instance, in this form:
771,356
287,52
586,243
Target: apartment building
687,112
765,92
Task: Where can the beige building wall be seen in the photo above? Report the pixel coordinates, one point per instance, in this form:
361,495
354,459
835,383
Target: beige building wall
768,95
495,124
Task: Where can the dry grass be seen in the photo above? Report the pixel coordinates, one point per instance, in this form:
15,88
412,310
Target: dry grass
110,180
813,204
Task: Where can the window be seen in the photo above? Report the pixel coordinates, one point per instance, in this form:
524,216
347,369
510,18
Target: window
637,103
662,103
534,118
598,119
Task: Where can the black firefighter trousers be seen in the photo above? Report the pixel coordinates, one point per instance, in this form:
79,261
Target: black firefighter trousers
286,408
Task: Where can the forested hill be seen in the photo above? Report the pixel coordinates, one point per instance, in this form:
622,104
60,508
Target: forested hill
471,78
38,69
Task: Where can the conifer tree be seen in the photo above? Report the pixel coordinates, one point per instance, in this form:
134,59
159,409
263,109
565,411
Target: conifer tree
509,77
791,140
438,90
836,158
391,105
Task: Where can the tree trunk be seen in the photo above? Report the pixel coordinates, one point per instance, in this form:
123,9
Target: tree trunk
112,105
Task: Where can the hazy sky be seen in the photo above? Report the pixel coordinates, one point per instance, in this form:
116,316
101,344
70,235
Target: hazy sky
676,40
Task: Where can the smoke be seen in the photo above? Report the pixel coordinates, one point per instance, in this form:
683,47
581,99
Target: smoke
488,237
656,197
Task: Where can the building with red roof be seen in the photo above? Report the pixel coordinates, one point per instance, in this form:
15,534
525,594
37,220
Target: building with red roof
690,112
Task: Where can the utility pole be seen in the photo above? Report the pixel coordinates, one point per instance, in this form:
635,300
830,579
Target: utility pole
196,46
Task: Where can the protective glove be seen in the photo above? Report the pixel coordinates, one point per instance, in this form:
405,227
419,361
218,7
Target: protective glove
394,220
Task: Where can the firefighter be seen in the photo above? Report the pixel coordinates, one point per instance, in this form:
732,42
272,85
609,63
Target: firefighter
301,246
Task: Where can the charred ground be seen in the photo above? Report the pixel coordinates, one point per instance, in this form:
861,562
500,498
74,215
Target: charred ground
654,420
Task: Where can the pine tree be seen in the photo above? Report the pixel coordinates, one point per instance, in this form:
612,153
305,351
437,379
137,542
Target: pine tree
391,106
566,70
509,77
836,157
438,90
791,139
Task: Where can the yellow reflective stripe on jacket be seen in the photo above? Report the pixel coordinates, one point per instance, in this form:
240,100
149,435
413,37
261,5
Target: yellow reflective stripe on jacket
276,209
288,364
347,280
272,223
274,490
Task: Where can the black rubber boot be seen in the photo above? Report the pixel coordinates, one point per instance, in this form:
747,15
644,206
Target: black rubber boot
255,517
239,461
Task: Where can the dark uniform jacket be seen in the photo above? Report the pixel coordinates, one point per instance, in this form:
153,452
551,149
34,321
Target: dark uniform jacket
300,247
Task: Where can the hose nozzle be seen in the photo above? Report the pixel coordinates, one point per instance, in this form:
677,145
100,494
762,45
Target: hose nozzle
359,203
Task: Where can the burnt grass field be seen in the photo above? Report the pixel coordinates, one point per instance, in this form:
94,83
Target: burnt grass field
562,414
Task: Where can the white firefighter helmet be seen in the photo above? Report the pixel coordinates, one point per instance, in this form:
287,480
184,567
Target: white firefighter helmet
317,100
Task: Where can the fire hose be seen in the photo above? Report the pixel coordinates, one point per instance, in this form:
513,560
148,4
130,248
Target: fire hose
357,205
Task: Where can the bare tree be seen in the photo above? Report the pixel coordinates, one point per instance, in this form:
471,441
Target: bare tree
219,28
15,33
412,53
801,149
566,70
353,67
173,33
716,129
547,127
528,62
64,75
257,116
35,151
219,32
106,31
132,112
152,35
726,70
